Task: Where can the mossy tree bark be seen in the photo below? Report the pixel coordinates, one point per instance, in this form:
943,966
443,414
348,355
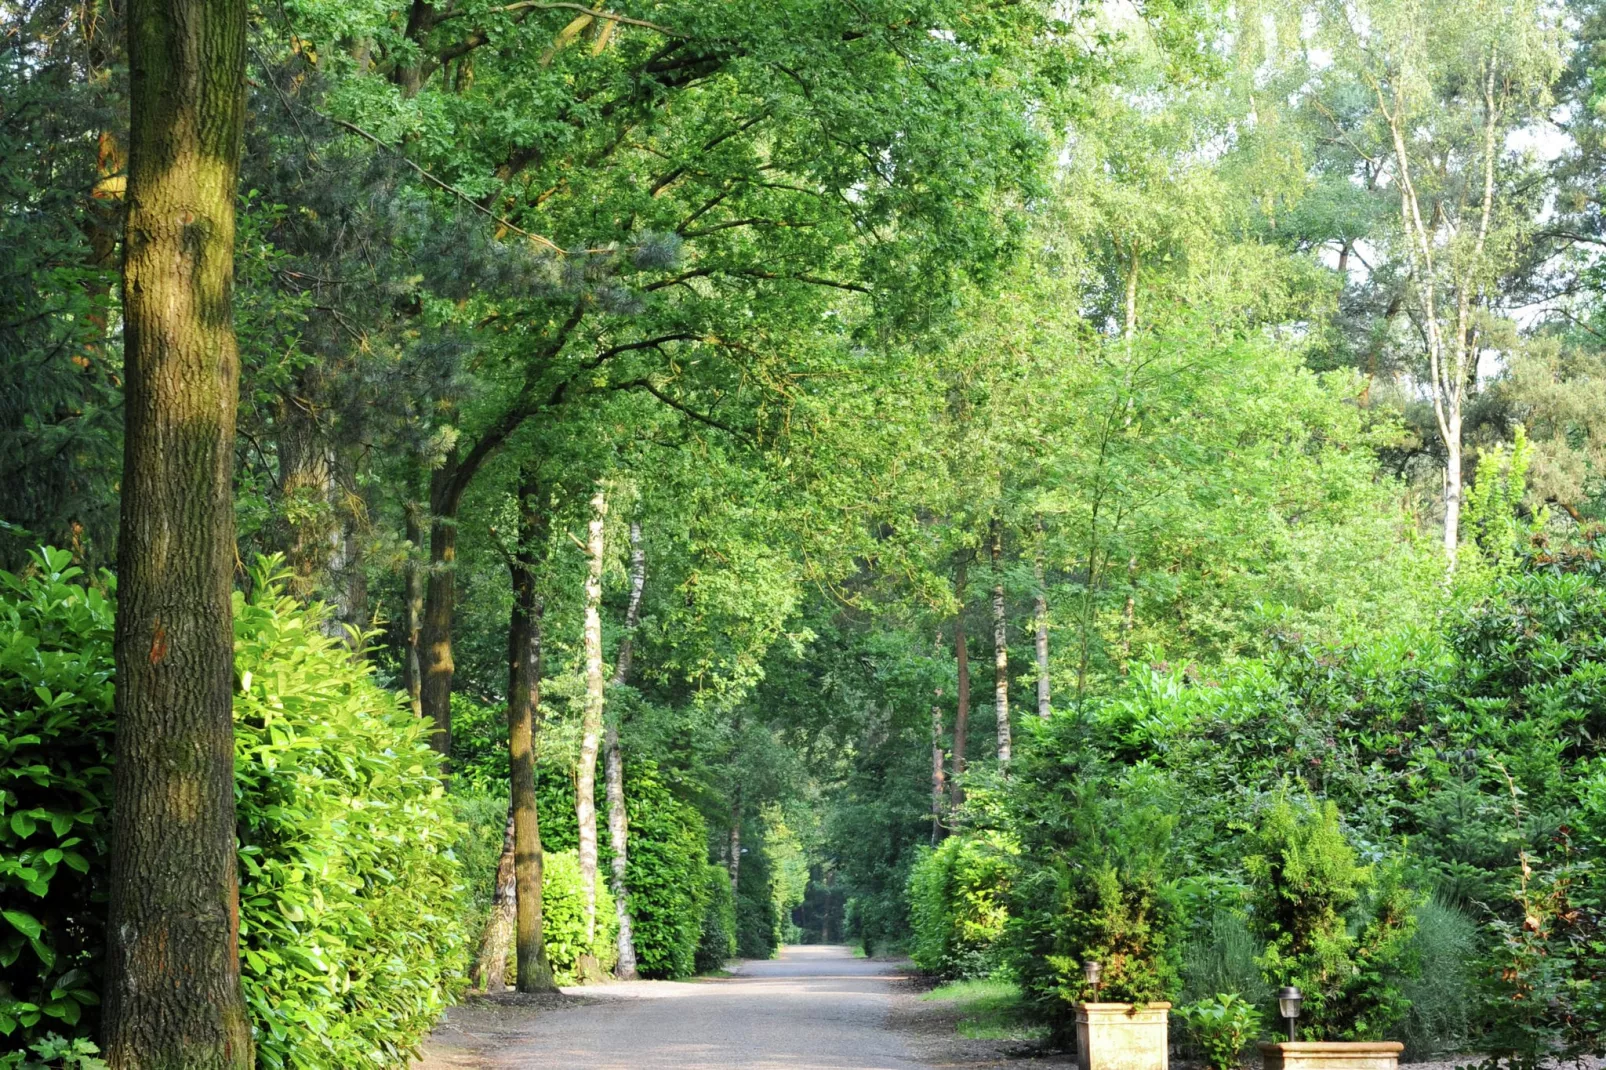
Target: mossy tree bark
173,995
523,709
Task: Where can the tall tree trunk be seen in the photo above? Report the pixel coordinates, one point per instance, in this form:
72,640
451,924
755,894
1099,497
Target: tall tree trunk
962,698
1044,708
440,603
591,729
735,862
1129,615
1000,645
523,708
414,611
173,995
490,964
1452,488
618,821
938,789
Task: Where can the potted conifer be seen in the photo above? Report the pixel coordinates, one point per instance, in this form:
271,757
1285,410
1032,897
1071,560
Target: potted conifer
1337,971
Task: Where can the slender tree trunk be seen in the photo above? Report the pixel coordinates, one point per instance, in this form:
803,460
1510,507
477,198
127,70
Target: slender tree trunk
1000,646
1044,708
938,788
1452,492
962,698
1129,614
440,603
306,488
523,708
414,612
618,821
591,729
173,994
736,839
490,964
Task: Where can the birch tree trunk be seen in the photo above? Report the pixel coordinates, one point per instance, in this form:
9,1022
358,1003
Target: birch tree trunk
962,698
618,822
173,994
1000,645
591,730
1040,613
523,709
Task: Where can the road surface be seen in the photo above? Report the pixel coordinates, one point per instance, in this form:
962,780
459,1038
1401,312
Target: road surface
813,1008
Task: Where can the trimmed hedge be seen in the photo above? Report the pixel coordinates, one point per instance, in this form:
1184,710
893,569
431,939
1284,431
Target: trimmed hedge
349,894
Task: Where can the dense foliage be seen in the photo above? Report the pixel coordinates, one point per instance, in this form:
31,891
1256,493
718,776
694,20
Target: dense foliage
348,929
1204,402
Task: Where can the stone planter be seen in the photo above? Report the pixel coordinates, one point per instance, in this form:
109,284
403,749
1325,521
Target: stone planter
1331,1055
1122,1036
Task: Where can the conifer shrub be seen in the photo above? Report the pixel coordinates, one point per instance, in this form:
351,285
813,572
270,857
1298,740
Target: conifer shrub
1338,930
957,905
1096,882
349,934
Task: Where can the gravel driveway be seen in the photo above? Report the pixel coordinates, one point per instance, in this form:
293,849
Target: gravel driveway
814,1008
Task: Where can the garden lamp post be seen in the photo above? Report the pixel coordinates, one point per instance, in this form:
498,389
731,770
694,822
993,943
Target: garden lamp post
1288,1000
1092,973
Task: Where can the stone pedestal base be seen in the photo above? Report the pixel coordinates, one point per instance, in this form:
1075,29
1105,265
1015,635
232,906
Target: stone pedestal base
1332,1055
1122,1036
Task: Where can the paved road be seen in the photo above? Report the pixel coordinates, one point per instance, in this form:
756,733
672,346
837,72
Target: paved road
814,1008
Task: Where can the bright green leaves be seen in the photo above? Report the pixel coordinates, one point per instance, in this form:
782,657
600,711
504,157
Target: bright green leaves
348,892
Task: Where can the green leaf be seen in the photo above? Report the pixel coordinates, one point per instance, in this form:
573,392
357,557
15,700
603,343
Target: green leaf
26,924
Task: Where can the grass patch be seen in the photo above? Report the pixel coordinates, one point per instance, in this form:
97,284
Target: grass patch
988,1010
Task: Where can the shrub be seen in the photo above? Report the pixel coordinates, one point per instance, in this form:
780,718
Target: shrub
1219,956
1098,885
667,873
349,931
718,943
1222,1027
957,905
563,919
1305,881
1441,998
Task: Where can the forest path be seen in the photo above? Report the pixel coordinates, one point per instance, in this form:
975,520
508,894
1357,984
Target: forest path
813,1008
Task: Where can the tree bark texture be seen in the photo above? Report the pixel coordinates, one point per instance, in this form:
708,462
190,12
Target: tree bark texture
490,964
962,699
618,820
173,995
591,721
440,603
1000,645
523,708
414,612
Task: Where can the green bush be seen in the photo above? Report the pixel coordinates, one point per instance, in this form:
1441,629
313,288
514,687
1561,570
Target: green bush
55,790
1096,882
1219,956
667,873
563,919
718,943
1305,884
1441,998
349,933
1222,1027
957,894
